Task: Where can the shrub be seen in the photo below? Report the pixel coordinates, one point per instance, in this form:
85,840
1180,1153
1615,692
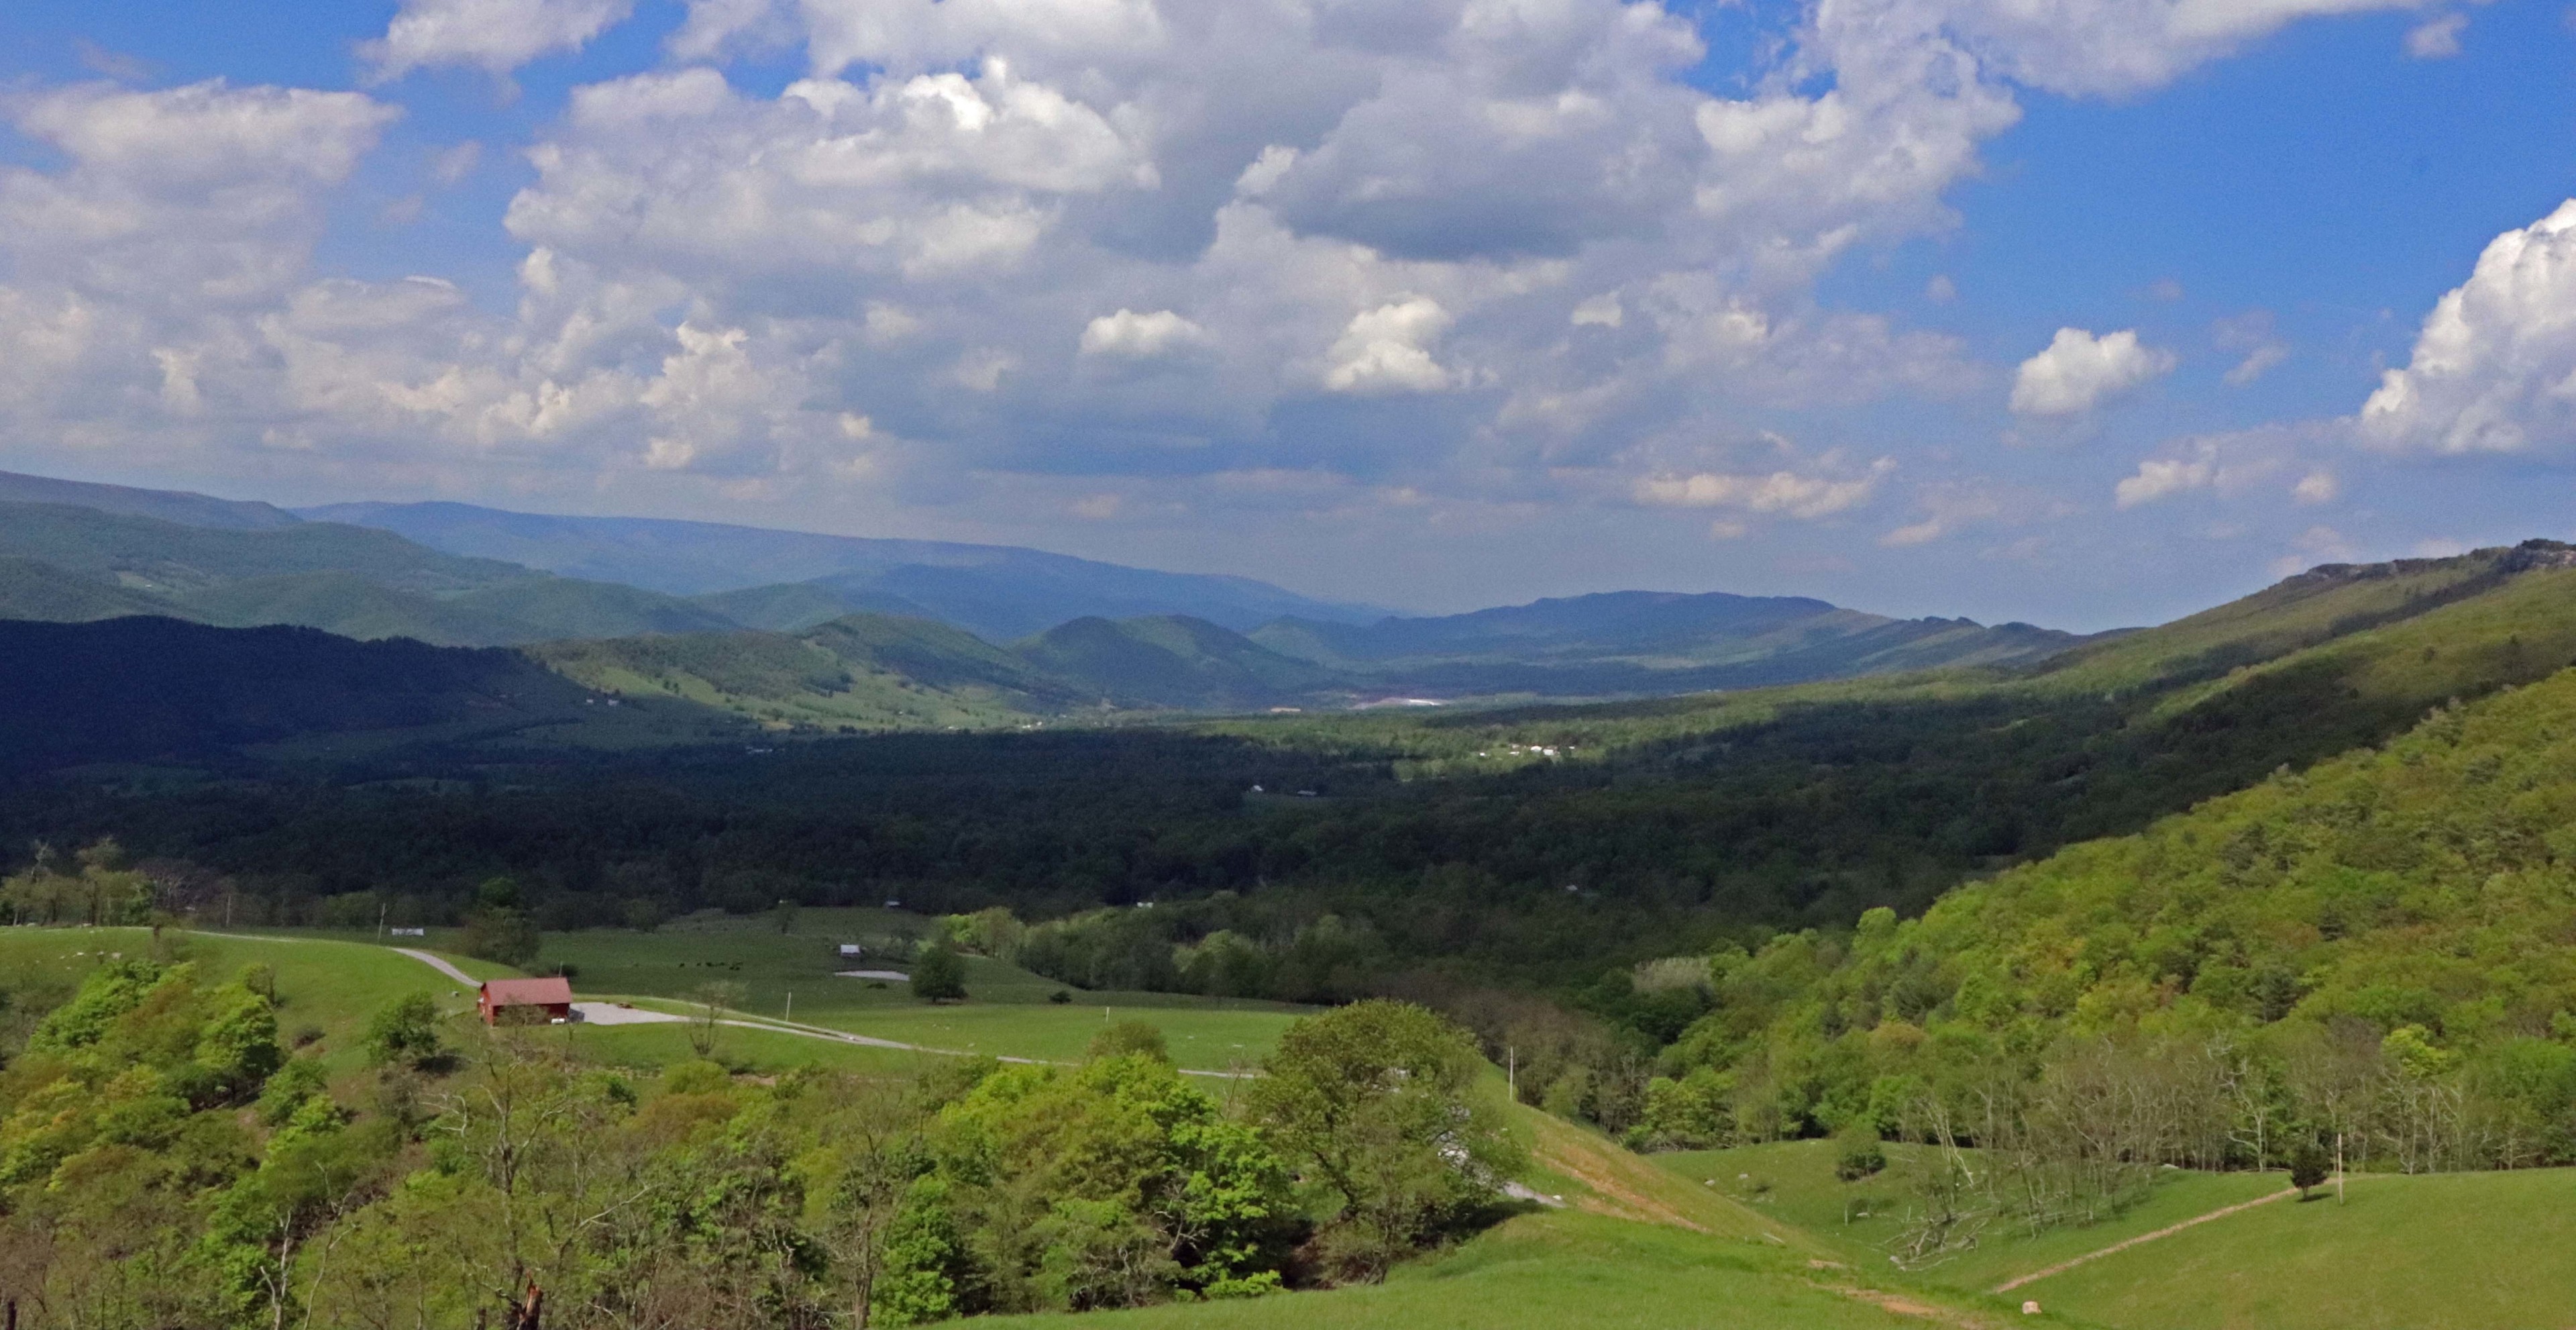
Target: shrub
404,1031
2309,1166
1861,1156
939,975
1128,1037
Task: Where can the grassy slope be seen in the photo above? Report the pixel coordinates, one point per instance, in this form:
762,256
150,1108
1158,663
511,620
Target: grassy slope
1545,1270
327,985
1794,1183
1634,1246
2475,1251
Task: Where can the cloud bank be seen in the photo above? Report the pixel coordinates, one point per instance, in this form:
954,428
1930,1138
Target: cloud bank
1419,256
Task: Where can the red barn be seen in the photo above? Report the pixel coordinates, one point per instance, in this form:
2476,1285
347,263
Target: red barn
553,994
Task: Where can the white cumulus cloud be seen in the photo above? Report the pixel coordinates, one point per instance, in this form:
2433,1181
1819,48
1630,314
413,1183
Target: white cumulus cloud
2079,371
2494,367
1388,349
1133,336
495,35
1803,495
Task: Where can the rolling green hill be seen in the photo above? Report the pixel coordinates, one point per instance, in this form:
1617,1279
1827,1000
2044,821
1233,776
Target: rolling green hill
793,607
345,605
873,672
30,589
849,674
1172,661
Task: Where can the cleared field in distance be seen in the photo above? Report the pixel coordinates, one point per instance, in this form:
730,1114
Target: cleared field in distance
1007,1013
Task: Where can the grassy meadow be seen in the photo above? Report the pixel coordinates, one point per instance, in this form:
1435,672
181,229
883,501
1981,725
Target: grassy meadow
2446,1251
1794,1183
1560,1268
326,989
336,978
1008,1012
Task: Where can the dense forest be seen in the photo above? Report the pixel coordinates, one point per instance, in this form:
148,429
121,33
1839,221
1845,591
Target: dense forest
167,1159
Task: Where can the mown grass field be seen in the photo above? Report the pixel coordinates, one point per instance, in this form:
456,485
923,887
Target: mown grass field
2461,1251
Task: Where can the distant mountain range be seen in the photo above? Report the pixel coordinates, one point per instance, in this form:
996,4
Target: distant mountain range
790,628
789,580
1642,642
2317,663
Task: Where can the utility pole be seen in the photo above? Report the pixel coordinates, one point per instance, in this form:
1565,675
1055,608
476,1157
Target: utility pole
2338,1168
791,1004
1512,1071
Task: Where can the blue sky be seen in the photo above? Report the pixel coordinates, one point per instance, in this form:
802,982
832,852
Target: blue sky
2086,313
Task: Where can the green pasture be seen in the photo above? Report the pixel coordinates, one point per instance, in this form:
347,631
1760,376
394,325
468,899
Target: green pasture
1794,1182
1201,1039
326,990
1007,1013
1561,1268
756,1052
2451,1251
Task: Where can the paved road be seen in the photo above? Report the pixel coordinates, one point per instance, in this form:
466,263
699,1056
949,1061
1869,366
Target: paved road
609,1013
441,964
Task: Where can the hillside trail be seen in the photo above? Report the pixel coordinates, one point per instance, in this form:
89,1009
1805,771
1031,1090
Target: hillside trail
2167,1231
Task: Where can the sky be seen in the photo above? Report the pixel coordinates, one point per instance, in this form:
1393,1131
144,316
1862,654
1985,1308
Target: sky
2079,312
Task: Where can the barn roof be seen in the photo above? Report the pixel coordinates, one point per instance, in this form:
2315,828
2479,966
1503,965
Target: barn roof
549,991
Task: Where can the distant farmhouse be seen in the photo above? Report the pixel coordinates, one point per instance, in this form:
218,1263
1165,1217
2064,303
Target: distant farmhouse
546,1001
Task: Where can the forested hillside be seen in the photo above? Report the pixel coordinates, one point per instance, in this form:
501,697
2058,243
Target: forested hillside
136,689
173,1155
